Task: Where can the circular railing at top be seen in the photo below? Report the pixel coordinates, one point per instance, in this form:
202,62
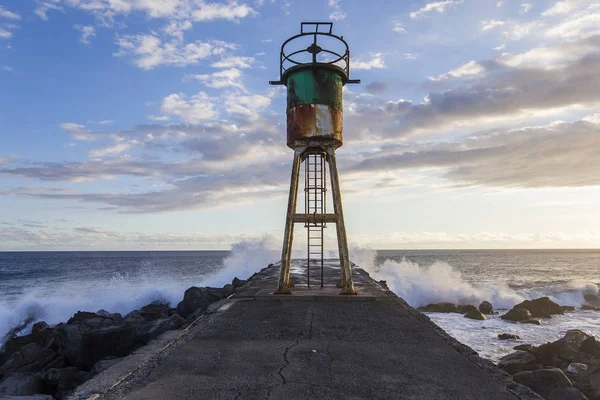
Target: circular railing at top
316,53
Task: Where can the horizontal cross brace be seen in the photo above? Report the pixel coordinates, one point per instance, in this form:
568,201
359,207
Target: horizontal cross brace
298,218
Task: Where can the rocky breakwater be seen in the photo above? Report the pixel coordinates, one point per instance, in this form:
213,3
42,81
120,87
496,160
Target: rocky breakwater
568,368
51,361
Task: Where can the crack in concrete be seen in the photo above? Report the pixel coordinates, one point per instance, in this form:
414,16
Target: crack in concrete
287,362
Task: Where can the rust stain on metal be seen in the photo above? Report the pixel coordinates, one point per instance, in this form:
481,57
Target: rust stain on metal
312,122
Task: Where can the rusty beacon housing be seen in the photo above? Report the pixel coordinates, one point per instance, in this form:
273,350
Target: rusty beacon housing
314,76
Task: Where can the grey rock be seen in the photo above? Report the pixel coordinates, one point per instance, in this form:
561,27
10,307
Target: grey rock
532,320
508,336
39,326
113,341
439,307
21,385
517,314
106,314
30,358
587,307
32,397
54,376
475,314
590,346
543,381
486,308
196,298
238,282
542,307
566,393
134,318
523,347
568,308
150,330
577,368
103,365
517,362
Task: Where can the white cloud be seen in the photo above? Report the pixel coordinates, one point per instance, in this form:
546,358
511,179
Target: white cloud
410,56
177,28
375,62
561,7
119,147
398,27
234,62
594,118
469,69
4,13
44,6
149,51
439,7
525,7
6,68
581,24
337,14
230,11
79,132
158,117
221,79
87,32
491,24
499,4
4,34
500,47
198,108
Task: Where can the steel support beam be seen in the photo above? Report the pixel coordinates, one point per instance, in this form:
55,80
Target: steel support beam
285,283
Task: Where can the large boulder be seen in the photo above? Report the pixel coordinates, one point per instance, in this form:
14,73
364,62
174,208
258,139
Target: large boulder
152,329
13,345
236,283
440,308
475,314
532,321
517,314
69,338
155,310
543,381
517,362
196,298
30,358
566,393
64,380
542,307
90,319
113,341
486,308
590,346
21,385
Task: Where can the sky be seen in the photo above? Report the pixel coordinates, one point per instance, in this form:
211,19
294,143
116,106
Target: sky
150,124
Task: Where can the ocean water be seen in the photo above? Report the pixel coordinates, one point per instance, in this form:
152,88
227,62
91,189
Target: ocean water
52,286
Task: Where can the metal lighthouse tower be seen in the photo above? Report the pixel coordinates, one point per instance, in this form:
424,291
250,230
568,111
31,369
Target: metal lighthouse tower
314,66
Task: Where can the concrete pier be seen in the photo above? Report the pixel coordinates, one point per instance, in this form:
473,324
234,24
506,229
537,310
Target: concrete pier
313,344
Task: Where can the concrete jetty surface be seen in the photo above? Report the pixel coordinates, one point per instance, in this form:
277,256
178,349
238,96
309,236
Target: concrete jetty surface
313,344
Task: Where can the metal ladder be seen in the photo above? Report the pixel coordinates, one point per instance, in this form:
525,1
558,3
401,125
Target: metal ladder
315,203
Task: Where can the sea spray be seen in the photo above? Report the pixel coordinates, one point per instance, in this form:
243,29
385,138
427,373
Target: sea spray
246,258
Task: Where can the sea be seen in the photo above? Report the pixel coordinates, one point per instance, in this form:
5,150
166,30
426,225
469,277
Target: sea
52,286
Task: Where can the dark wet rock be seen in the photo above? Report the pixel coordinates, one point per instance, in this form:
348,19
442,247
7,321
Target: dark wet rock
103,365
82,316
517,314
517,362
563,351
590,308
566,393
475,314
543,381
523,347
591,346
30,358
196,298
133,318
542,307
568,308
63,380
466,308
532,320
21,385
155,310
39,326
13,345
238,282
150,330
507,336
383,284
486,308
577,368
32,397
106,314
113,341
440,308
228,290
